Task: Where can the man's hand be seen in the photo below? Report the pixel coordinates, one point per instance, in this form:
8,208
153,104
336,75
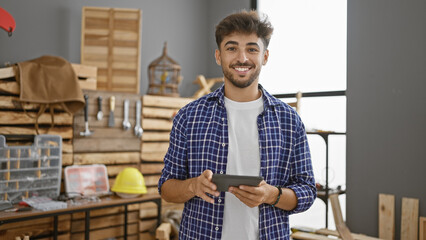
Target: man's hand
254,196
202,184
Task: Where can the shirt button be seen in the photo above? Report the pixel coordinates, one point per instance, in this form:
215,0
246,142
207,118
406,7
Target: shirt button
216,228
221,172
219,200
223,119
223,144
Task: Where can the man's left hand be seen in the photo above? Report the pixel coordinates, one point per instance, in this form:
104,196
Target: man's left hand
254,196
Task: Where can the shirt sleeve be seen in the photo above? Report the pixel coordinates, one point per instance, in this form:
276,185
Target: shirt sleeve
302,180
176,156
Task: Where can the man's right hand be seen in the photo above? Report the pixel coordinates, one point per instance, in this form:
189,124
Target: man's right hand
202,184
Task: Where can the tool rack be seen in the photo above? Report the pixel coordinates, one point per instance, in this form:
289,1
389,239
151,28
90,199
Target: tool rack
27,171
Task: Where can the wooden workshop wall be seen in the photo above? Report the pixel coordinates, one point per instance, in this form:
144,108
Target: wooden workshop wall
117,149
19,129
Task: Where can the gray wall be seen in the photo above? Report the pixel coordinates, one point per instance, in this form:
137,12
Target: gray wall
54,27
386,113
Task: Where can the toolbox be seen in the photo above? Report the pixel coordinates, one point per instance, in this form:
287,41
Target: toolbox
29,171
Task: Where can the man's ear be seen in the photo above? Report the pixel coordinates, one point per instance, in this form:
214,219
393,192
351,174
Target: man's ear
265,57
217,56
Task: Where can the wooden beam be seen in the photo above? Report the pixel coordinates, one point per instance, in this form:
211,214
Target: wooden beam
106,158
409,218
386,216
422,230
343,230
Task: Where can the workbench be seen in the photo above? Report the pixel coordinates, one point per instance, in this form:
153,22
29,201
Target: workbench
106,202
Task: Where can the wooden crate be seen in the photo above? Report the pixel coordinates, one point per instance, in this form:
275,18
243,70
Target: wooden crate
110,40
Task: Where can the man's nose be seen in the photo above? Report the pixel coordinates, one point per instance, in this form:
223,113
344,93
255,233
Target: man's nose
242,57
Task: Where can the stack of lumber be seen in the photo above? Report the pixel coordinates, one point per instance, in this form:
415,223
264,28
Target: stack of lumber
19,129
157,116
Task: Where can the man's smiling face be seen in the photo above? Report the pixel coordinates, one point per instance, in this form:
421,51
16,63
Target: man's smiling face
241,57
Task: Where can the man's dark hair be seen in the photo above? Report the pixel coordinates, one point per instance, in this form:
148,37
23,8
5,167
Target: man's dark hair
244,22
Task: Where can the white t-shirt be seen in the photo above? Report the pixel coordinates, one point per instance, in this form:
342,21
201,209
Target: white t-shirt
241,221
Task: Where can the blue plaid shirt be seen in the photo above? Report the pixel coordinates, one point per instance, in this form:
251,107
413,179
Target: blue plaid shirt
199,141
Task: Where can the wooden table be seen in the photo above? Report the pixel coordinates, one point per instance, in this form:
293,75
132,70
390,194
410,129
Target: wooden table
108,202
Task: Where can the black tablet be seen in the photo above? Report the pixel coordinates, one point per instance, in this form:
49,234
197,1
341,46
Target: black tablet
224,181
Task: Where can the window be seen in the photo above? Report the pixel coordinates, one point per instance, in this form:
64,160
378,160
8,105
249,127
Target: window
308,54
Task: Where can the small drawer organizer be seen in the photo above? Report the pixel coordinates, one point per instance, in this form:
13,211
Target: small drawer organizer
27,171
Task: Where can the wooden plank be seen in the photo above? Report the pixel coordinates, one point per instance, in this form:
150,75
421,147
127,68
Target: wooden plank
153,156
155,136
91,145
422,228
106,158
150,112
409,218
147,225
387,216
355,236
104,221
7,72
308,236
34,222
64,132
158,147
163,231
11,102
17,118
106,132
146,236
152,180
88,84
85,71
151,168
11,87
343,230
148,210
165,102
156,124
67,159
34,230
114,170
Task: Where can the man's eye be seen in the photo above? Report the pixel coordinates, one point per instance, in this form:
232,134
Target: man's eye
253,50
231,49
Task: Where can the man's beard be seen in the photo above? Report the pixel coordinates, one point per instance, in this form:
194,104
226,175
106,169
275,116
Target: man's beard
240,84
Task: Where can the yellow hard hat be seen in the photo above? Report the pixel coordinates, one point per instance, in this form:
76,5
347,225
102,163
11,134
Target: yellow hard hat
129,181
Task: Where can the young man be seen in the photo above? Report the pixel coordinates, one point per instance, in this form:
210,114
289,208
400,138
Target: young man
238,129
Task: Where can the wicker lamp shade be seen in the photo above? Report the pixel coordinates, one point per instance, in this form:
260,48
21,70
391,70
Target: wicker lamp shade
164,76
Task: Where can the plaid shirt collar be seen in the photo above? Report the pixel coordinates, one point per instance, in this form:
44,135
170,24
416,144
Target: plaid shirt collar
268,100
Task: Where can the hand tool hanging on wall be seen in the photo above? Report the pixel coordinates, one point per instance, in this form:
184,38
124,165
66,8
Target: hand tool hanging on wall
87,132
111,122
126,123
100,114
138,128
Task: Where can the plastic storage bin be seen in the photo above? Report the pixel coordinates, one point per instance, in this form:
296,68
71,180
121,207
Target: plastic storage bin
27,171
